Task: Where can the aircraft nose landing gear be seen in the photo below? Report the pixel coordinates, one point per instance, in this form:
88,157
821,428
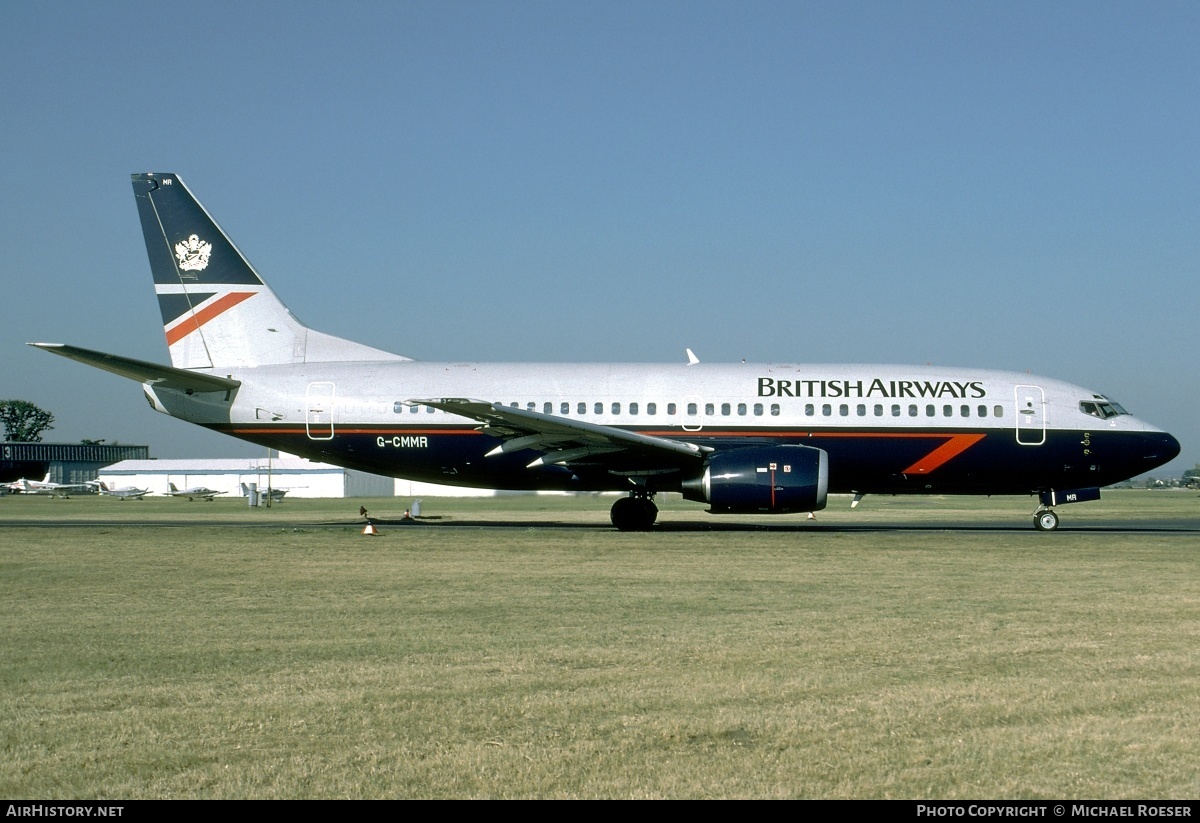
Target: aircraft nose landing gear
635,513
1045,520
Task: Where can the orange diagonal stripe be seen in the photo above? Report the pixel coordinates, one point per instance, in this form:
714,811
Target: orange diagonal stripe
956,445
197,319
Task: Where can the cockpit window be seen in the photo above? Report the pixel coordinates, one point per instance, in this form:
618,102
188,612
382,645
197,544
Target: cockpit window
1101,407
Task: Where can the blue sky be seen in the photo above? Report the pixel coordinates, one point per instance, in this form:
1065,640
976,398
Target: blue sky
1005,185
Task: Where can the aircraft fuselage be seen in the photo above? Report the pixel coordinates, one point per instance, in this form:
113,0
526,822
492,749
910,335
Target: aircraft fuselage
887,429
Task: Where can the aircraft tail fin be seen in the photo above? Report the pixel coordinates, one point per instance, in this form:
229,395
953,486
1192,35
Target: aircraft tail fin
216,309
172,485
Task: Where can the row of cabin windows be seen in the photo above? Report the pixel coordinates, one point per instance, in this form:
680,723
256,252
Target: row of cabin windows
931,410
757,409
693,409
651,409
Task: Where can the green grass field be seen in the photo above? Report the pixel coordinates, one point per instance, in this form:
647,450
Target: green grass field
191,658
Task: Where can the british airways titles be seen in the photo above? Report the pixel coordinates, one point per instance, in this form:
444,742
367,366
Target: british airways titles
772,387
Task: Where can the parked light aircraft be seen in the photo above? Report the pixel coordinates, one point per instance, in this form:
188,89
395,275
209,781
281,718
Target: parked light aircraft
124,493
45,487
276,494
743,438
202,492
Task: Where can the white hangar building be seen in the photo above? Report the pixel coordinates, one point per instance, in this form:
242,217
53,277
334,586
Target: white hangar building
299,477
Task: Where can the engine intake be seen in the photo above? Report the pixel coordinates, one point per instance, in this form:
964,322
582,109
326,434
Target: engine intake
775,479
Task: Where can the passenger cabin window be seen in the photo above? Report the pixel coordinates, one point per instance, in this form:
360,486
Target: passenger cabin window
564,408
598,408
398,407
616,408
671,409
710,409
758,409
692,409
725,409
774,409
547,408
633,408
651,408
581,408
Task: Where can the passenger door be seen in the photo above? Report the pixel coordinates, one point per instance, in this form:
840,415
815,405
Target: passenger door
319,418
1031,415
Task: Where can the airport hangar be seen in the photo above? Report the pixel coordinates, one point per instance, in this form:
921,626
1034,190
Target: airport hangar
64,462
297,476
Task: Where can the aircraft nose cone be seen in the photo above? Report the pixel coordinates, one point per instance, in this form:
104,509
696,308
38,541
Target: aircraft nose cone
1156,449
1169,449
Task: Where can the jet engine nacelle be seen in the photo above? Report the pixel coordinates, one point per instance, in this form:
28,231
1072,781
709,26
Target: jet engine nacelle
775,479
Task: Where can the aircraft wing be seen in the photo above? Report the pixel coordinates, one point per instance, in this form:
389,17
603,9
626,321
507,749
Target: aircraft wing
142,370
46,487
565,441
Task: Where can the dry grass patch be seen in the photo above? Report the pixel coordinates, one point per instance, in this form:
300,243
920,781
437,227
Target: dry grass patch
294,661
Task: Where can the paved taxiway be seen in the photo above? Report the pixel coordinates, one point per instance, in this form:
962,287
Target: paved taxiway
1180,526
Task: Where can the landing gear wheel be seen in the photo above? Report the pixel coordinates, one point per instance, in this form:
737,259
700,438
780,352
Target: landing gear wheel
634,514
649,512
1046,521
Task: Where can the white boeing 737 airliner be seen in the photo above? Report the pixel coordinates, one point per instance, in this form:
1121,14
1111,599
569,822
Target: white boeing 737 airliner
744,438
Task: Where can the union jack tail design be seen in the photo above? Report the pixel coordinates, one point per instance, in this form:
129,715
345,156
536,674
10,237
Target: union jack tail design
217,312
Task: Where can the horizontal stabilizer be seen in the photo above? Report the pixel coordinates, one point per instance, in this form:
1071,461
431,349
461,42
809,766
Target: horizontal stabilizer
141,370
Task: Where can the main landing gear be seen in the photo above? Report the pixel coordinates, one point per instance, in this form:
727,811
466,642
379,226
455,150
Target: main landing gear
635,513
